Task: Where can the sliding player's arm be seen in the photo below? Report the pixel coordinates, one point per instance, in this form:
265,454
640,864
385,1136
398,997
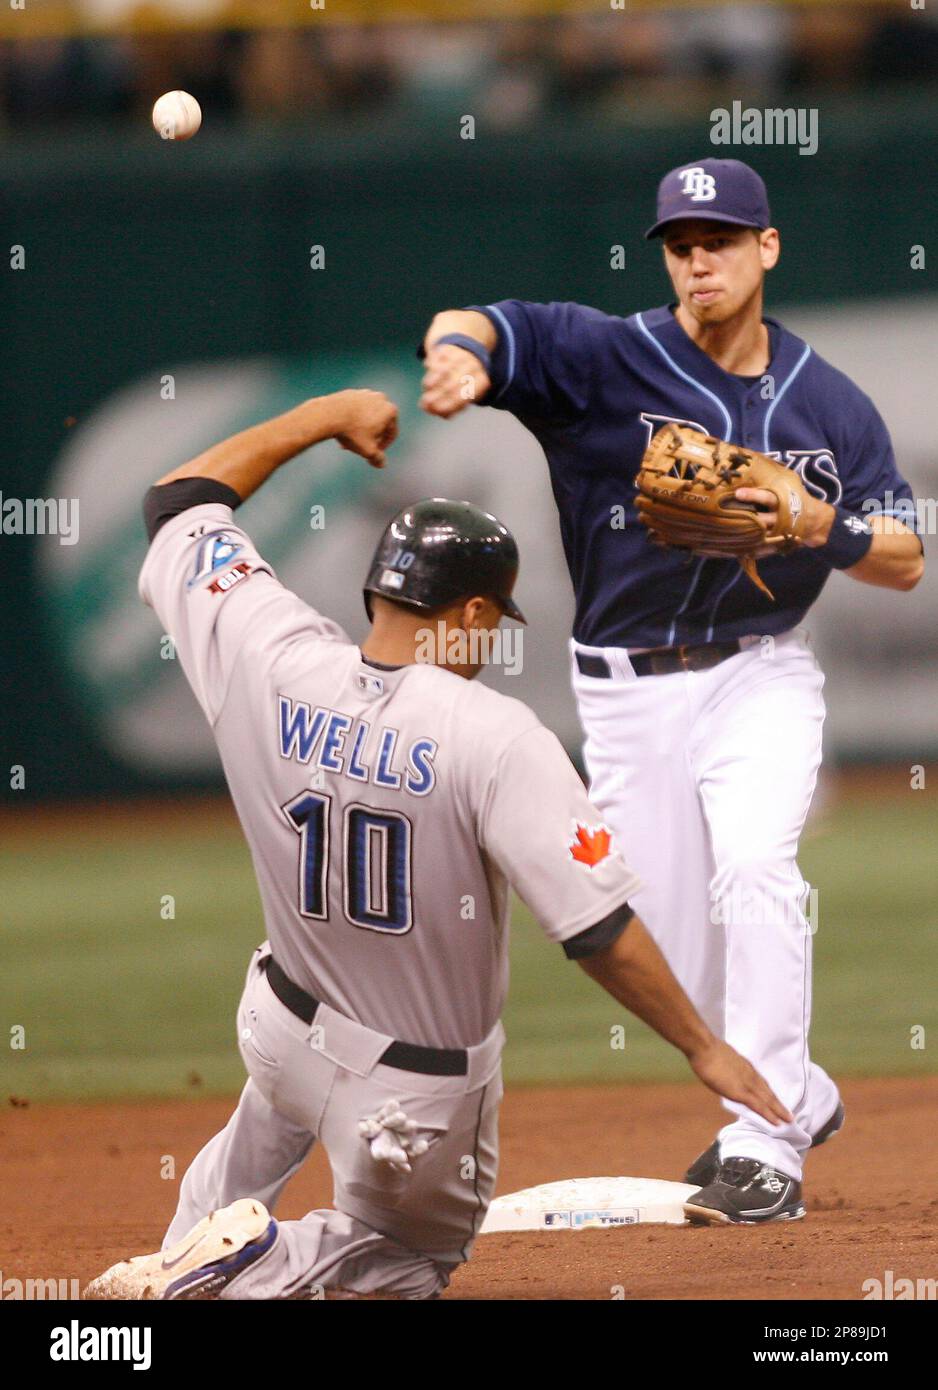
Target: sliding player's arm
551,844
215,594
365,422
633,970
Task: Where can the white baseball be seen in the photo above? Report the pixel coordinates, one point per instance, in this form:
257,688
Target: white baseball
176,116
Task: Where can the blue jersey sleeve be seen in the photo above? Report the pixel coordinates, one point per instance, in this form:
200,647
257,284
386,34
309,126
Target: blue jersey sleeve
543,363
872,482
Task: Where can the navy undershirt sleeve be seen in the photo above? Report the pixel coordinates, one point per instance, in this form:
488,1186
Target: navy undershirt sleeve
166,500
599,935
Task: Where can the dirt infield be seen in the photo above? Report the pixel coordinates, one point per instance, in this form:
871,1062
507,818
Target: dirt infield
82,1187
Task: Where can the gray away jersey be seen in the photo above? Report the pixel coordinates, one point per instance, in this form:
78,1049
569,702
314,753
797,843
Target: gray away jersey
387,811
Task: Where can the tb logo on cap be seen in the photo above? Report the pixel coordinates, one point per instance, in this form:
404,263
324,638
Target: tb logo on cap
698,185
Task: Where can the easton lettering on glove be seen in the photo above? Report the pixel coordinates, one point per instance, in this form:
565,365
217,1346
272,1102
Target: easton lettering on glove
687,488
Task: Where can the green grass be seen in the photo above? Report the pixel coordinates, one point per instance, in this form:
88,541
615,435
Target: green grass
115,1000
875,966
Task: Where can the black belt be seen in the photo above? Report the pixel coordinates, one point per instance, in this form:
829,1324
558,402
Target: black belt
432,1061
664,661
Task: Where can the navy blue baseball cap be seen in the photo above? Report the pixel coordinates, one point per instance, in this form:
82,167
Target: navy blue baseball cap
714,190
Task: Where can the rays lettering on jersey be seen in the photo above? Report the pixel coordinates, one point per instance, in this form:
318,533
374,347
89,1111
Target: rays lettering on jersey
817,468
653,424
343,745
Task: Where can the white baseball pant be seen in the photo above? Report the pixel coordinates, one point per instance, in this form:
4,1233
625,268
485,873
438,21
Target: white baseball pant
706,778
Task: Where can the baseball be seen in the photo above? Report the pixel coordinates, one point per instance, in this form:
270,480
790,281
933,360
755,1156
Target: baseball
176,116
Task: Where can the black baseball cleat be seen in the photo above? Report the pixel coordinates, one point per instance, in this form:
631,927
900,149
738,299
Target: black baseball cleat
704,1168
834,1125
746,1192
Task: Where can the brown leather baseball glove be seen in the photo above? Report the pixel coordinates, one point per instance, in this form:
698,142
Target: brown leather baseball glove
686,497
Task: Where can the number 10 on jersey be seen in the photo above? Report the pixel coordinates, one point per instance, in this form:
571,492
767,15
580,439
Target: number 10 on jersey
376,862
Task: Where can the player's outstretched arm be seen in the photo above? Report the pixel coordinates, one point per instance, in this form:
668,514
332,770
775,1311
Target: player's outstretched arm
635,973
454,377
365,422
895,559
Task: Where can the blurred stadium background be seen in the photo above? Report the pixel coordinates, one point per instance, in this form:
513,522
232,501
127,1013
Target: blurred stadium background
167,298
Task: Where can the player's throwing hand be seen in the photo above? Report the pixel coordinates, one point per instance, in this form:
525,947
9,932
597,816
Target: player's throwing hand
372,424
453,379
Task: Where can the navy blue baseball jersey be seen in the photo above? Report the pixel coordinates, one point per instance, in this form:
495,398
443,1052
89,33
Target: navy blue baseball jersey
593,388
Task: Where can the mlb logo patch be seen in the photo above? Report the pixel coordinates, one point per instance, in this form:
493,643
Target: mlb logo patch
557,1218
392,579
370,685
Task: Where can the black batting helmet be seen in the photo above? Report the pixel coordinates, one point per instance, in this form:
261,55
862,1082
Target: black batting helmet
436,551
